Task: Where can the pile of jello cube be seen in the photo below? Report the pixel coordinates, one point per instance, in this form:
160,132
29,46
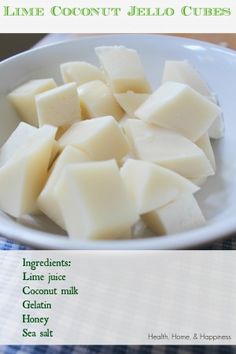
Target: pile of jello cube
103,151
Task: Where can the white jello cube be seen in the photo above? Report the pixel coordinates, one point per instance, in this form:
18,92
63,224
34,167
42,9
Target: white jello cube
94,201
178,216
80,72
152,186
23,98
167,148
130,101
59,106
217,128
100,138
47,201
180,108
24,174
97,100
16,141
123,69
185,73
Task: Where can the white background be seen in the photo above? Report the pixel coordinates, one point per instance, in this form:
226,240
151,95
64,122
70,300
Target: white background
121,24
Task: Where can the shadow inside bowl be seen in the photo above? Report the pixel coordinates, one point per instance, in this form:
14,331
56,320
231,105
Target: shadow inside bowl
40,223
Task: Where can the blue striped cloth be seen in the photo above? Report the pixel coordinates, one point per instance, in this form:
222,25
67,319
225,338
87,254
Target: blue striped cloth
228,244
67,349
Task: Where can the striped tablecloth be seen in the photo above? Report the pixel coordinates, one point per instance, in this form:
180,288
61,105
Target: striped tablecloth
119,350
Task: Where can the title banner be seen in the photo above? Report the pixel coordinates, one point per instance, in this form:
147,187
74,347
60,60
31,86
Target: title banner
104,16
118,297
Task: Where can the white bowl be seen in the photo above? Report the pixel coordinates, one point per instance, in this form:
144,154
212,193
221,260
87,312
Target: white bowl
217,198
